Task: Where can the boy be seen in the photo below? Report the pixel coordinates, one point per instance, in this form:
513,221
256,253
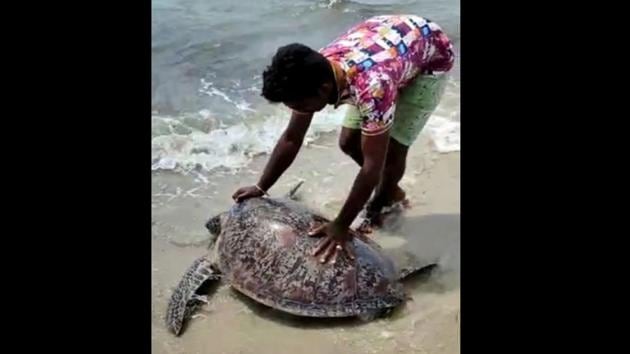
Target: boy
391,70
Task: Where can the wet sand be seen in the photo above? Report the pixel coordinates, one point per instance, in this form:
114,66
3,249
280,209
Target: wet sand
231,323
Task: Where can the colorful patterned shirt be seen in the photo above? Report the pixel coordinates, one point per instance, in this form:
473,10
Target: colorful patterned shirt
381,56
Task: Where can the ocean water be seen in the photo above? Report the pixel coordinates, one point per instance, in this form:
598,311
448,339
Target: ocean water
207,60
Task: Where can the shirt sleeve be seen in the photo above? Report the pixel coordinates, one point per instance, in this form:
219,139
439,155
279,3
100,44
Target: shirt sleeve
443,57
376,102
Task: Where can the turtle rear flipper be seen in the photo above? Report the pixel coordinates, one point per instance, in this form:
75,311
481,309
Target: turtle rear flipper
188,294
412,271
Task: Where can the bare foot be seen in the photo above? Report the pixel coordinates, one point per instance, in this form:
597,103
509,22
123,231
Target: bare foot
399,197
375,213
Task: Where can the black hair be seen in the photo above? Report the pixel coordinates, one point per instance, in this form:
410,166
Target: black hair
296,72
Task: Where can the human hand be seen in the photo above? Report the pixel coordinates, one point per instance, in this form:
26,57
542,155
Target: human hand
335,241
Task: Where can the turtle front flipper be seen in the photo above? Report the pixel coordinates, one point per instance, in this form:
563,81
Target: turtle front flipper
292,195
187,296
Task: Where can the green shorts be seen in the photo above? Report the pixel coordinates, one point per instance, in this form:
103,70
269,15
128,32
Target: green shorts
414,106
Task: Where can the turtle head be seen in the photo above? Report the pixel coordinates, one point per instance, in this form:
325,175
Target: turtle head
215,224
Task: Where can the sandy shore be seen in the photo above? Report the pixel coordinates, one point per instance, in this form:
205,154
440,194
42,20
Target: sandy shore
231,324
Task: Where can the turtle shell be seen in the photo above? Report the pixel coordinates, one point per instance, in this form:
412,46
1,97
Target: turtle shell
265,253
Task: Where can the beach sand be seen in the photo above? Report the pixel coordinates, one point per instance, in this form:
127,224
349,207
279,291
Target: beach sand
232,324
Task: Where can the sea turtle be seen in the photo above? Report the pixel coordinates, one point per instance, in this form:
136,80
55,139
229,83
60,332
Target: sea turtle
261,248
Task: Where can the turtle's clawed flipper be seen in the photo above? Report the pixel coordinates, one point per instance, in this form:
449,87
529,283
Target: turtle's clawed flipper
292,195
412,271
187,296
